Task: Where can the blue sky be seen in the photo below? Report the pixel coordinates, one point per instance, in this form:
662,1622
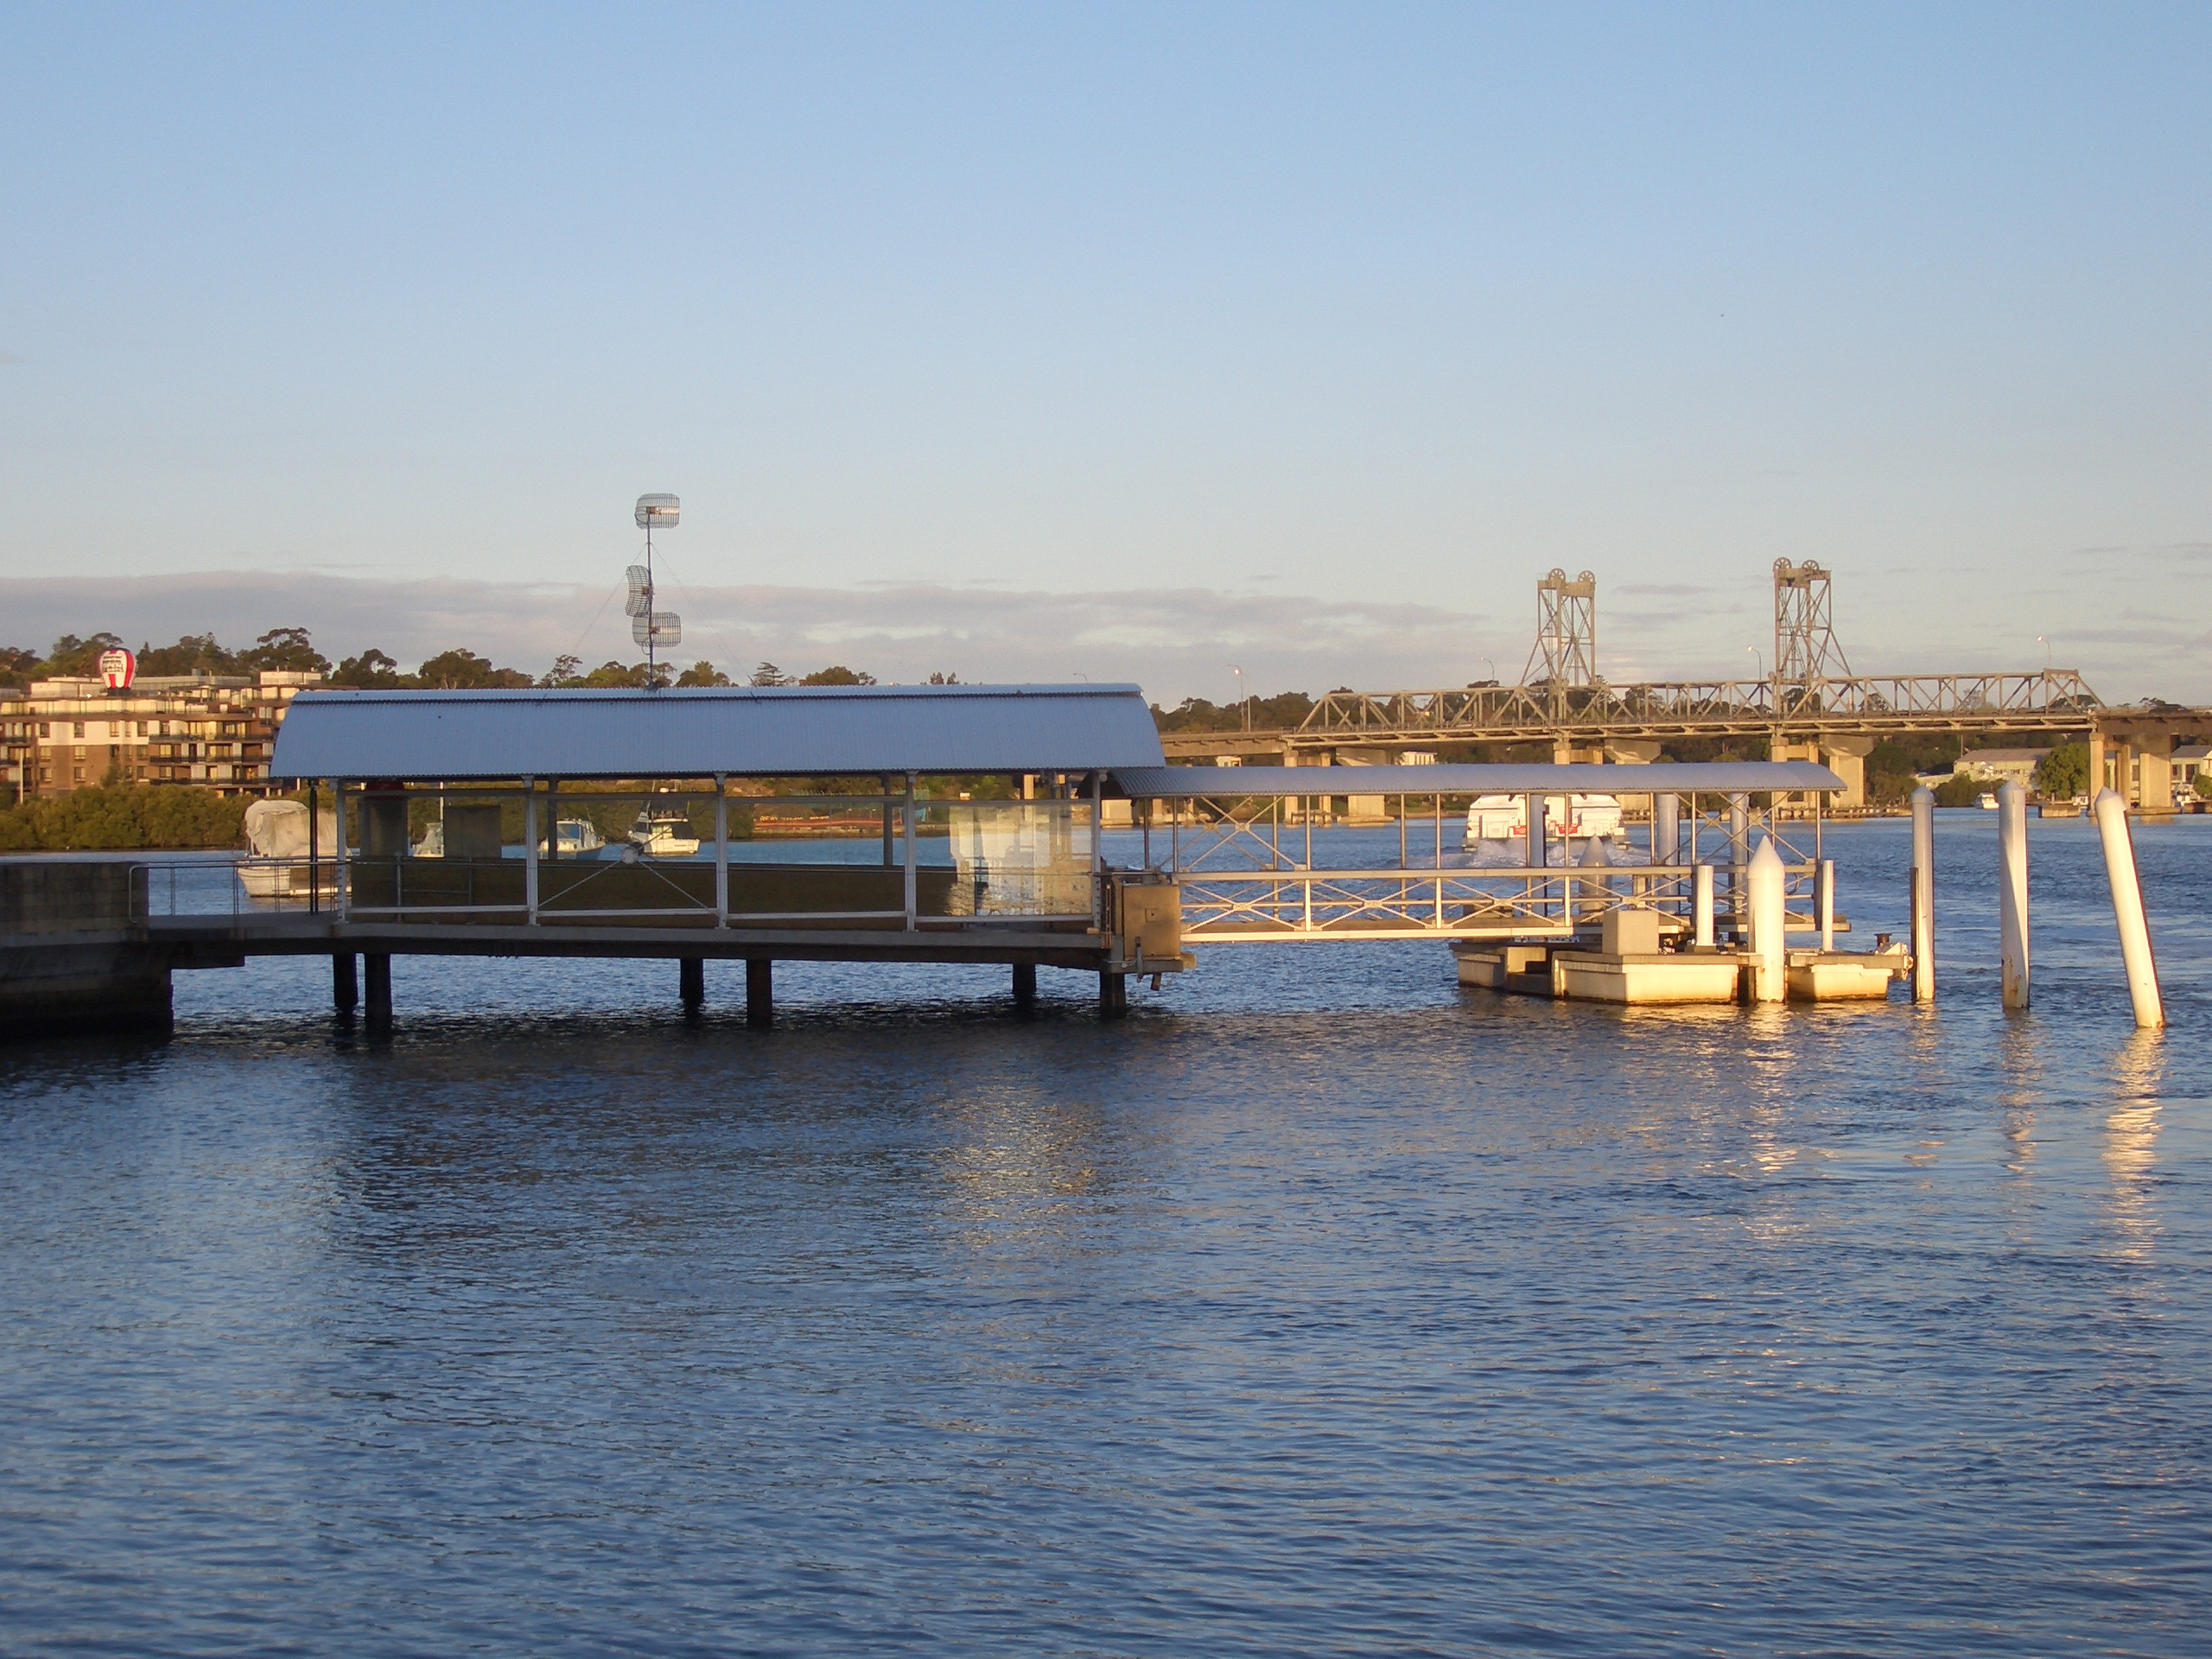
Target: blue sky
1381,308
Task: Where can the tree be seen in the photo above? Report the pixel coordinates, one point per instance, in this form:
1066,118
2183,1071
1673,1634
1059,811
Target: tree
2063,773
769,674
945,679
614,676
567,670
285,648
461,670
2204,785
838,674
370,672
1960,789
75,658
703,674
16,665
195,653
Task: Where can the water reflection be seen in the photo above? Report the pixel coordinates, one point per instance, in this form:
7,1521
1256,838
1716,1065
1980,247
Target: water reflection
2132,1137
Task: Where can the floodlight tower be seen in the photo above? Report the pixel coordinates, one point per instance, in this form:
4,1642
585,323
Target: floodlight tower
648,627
1566,631
1805,648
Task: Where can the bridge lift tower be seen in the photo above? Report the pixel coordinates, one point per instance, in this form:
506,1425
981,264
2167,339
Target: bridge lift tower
1805,648
1566,631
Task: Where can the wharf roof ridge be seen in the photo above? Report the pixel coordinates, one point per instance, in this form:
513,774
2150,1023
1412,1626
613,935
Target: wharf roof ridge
713,693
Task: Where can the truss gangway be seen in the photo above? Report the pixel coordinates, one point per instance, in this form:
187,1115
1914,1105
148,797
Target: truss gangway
1238,845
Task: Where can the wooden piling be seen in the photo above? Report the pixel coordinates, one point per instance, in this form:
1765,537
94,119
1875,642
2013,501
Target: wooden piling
759,993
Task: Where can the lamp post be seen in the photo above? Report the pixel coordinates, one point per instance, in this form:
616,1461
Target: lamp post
1240,702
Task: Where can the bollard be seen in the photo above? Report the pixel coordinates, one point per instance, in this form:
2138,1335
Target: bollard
1923,895
1701,905
2127,909
2012,893
1764,883
1824,903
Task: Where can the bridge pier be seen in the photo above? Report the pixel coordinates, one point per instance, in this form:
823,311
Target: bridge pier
1025,987
1846,758
759,993
345,981
691,983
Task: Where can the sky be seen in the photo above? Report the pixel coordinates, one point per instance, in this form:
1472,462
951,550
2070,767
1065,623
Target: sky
1127,341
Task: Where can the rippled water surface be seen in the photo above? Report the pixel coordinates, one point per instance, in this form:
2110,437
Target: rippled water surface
1321,1306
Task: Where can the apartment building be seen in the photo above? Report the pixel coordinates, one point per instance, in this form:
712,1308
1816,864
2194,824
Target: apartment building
66,735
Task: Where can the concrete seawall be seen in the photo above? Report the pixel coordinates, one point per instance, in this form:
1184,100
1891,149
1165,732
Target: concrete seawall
73,953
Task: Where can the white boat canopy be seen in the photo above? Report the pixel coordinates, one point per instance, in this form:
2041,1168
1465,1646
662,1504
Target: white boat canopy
740,731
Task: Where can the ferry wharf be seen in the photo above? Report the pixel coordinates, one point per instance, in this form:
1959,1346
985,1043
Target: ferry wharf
671,825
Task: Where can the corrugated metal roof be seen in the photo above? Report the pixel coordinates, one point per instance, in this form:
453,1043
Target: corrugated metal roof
1665,777
741,730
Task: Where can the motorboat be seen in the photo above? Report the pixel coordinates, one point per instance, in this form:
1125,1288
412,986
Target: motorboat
1504,819
664,832
574,837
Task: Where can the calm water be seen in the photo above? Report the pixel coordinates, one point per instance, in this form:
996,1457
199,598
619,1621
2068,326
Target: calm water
1319,1307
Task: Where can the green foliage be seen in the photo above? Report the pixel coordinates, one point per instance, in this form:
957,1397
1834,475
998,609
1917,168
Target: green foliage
769,674
1283,712
74,658
2204,785
370,672
285,648
838,674
461,670
2064,772
124,818
1961,789
703,674
16,665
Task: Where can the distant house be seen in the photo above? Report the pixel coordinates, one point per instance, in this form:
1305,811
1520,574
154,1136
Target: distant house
2192,761
1994,766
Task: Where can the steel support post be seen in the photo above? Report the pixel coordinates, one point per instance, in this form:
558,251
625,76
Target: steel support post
345,981
1025,987
759,992
908,816
338,804
1113,995
530,848
721,849
691,983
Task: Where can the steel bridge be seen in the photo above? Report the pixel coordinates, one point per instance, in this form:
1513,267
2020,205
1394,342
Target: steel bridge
1811,706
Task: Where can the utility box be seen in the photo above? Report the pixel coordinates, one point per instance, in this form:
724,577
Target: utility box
472,831
1630,933
1148,921
384,823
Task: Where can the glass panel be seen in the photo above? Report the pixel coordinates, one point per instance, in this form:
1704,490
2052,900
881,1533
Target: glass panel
1021,858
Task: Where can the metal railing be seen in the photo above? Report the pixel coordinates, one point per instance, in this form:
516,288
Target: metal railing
2051,697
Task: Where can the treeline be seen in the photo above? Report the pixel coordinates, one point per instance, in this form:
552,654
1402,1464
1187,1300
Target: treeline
196,653
124,818
459,669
